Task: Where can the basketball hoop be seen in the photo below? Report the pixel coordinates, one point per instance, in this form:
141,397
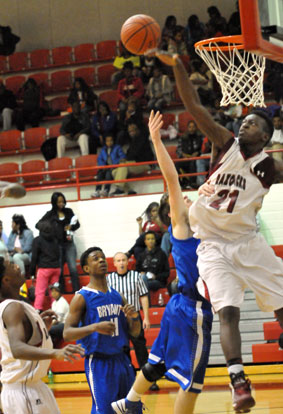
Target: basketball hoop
239,72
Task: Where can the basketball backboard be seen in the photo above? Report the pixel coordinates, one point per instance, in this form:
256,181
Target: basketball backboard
262,27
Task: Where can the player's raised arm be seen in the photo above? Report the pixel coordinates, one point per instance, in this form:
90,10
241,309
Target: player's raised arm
178,209
215,132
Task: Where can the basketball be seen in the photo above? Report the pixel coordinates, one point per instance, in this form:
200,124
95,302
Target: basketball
140,33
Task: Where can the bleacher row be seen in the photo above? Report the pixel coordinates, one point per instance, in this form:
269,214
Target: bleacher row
255,325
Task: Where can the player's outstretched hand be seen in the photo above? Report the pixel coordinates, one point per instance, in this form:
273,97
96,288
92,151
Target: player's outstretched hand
155,124
104,328
206,189
168,58
69,352
130,311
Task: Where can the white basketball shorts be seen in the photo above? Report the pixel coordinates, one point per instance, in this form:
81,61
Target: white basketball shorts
228,268
30,398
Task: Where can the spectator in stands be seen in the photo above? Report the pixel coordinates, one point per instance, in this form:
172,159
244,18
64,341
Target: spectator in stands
64,222
129,86
20,242
203,164
217,25
202,80
153,263
189,145
103,123
83,94
3,247
138,151
74,131
159,90
235,117
31,111
234,23
61,308
7,105
167,31
194,31
148,63
177,43
131,285
110,154
123,57
46,260
163,211
133,114
277,138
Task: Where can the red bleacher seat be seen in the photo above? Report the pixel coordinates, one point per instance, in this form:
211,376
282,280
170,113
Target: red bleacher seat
172,276
54,131
155,295
10,140
61,80
59,103
62,55
278,250
42,79
34,137
65,366
110,264
104,74
9,168
183,120
39,58
106,50
168,119
88,74
272,331
33,166
87,161
171,261
110,97
3,64
172,151
84,52
18,61
151,335
267,353
155,315
60,164
14,83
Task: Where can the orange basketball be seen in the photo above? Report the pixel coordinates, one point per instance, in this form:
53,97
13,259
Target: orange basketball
140,33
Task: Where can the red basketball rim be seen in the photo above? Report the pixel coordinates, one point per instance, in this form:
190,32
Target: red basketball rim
232,42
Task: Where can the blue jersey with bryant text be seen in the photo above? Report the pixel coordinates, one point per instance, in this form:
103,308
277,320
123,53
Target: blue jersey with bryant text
102,307
185,258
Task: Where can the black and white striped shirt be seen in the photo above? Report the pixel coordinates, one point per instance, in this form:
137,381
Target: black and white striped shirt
131,285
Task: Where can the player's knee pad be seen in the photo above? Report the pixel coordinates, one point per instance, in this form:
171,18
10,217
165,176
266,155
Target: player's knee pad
153,373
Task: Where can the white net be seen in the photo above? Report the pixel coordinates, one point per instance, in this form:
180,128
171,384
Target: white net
239,72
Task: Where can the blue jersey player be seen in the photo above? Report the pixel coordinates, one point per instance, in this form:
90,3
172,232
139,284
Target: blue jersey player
182,348
101,320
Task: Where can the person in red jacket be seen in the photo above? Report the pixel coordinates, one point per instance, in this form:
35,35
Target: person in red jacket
129,86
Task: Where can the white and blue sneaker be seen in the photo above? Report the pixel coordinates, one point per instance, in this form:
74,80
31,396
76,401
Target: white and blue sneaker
125,406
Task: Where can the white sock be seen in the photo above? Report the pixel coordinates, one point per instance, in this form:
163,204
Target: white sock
133,396
235,369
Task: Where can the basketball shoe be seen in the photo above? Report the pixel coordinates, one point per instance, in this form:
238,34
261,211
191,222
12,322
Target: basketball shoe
241,393
125,406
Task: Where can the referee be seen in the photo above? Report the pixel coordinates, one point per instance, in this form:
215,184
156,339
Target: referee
132,286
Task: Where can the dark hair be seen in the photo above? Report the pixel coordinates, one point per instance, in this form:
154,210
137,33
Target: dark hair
84,256
105,104
164,209
269,127
170,19
84,86
2,269
150,232
19,219
128,65
213,10
54,199
178,29
45,226
149,208
196,64
192,20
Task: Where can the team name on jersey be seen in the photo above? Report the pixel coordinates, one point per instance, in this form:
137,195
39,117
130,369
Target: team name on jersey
231,179
108,310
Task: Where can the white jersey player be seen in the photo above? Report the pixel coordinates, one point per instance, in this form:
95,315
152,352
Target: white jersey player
232,255
26,349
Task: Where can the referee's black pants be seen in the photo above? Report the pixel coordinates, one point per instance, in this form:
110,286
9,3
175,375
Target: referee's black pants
140,347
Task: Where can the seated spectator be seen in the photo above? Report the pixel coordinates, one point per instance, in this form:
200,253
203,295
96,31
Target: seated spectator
129,86
217,25
234,23
83,94
235,117
7,105
31,111
125,56
177,43
139,151
103,123
3,247
133,114
159,90
148,63
189,145
202,80
194,32
74,131
163,211
277,138
20,242
110,154
203,164
167,31
61,307
153,263
46,259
